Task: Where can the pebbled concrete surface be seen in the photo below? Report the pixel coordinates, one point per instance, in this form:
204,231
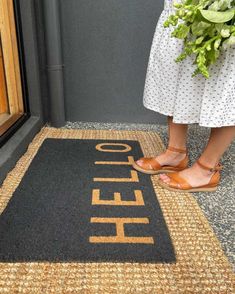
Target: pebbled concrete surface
219,206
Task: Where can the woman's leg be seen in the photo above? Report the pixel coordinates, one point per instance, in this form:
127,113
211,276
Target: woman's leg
177,134
177,138
219,141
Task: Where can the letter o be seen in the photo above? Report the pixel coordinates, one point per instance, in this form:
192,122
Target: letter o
99,147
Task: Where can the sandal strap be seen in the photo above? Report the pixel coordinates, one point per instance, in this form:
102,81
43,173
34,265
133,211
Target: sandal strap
212,169
176,181
171,148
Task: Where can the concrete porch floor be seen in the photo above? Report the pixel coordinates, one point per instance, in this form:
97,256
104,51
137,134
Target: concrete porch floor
219,206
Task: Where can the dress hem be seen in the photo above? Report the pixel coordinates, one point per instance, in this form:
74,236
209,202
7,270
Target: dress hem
188,122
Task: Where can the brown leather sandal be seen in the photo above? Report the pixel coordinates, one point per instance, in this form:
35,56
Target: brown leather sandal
177,183
153,166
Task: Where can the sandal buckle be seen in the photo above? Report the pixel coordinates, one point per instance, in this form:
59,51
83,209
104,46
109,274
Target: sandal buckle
217,167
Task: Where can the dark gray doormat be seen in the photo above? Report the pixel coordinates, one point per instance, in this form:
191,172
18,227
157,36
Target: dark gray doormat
59,226
65,209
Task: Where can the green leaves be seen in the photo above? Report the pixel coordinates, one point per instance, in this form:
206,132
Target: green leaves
218,16
207,27
181,32
220,5
229,42
172,20
198,28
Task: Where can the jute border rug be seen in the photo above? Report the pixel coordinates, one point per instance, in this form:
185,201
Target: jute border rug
201,265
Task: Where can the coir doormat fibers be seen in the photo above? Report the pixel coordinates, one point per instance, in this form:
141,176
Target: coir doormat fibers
76,218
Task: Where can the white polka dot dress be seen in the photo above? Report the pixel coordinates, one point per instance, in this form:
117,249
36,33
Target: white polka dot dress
171,90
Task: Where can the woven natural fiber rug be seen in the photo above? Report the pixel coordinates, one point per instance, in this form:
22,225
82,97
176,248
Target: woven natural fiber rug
198,264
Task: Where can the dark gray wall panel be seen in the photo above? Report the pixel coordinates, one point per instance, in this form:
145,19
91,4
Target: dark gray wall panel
106,45
29,35
39,22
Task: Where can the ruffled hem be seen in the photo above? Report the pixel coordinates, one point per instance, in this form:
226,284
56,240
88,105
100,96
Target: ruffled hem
196,121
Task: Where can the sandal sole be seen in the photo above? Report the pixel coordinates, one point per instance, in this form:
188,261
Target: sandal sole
199,189
151,172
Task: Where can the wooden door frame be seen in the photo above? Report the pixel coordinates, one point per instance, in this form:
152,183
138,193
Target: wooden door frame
18,120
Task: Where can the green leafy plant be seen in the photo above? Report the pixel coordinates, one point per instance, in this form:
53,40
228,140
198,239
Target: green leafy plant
207,27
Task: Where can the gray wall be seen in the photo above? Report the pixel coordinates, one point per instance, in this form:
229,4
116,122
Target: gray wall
106,45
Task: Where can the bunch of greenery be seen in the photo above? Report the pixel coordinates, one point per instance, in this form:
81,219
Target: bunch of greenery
207,27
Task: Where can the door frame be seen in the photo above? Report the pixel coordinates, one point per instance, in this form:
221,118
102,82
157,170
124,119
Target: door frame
19,36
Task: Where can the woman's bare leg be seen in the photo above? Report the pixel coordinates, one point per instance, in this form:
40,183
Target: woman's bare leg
177,138
177,134
219,141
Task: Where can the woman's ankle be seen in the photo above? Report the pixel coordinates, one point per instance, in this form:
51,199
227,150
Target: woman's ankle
173,153
169,157
208,161
203,171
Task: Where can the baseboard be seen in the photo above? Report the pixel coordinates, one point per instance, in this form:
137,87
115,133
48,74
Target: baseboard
14,148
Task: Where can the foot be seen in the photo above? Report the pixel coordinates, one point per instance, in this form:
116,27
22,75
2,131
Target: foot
168,157
195,175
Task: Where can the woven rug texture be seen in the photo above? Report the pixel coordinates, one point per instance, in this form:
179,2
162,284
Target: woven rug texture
200,267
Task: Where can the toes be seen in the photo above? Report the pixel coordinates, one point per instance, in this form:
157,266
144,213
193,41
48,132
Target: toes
139,162
164,178
167,180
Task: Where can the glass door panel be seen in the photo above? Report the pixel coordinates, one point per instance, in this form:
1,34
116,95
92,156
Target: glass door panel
4,109
11,100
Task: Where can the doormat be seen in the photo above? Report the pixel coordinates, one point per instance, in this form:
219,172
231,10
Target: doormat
81,200
77,218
